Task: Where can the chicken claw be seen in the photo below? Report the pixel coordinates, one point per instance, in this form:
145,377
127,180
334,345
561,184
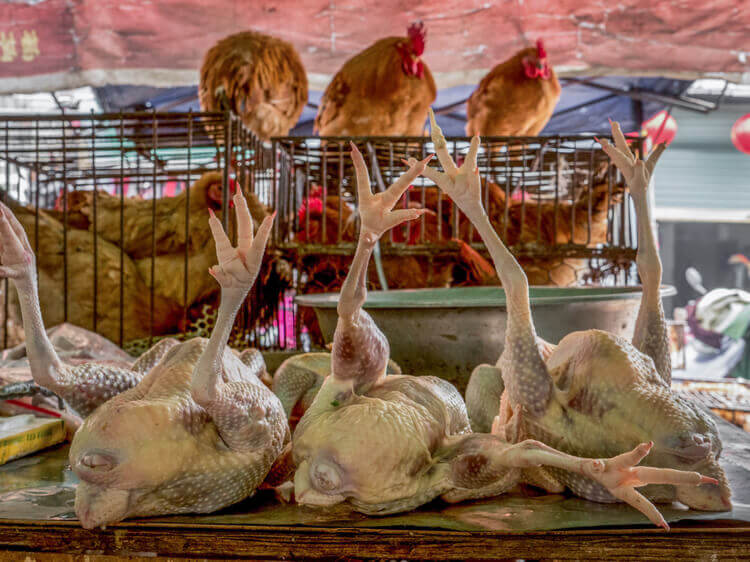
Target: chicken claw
620,475
238,267
16,255
462,184
637,173
376,210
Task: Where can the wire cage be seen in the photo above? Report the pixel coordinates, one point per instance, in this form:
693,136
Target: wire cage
557,202
115,208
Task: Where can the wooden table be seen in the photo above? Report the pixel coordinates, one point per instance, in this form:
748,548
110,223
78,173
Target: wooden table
33,524
687,540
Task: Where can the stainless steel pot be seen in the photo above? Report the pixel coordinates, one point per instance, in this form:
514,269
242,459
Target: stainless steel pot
448,332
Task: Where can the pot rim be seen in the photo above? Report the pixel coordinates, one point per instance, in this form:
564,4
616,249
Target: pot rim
480,297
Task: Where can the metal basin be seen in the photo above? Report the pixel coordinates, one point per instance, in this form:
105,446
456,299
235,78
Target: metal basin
448,332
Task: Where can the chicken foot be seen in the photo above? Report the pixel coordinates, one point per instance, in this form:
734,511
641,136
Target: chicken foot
650,336
235,407
84,387
480,469
360,350
523,371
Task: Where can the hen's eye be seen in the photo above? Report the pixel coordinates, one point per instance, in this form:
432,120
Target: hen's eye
324,477
97,462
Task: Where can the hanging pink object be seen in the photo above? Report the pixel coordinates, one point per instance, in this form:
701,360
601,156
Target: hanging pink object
662,127
170,188
741,134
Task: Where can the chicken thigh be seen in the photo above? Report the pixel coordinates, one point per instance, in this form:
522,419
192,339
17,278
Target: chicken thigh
388,444
595,394
189,427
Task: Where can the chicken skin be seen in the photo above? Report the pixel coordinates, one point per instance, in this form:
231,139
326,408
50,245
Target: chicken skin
188,428
384,444
595,394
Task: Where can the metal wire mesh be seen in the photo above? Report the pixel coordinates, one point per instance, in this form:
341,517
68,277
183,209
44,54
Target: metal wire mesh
548,198
50,166
556,201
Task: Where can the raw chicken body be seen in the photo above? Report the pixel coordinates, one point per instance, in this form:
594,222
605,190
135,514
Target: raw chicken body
189,427
298,379
595,394
388,444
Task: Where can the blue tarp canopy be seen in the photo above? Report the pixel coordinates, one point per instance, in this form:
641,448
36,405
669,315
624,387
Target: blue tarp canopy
584,106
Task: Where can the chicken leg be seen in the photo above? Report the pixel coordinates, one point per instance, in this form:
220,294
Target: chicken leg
524,373
481,466
650,336
360,350
84,387
235,407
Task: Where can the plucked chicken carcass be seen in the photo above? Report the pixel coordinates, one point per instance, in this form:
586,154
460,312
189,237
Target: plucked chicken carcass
595,394
298,379
189,427
384,444
260,77
136,318
516,98
383,91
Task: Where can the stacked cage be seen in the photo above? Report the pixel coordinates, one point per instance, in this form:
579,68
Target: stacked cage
115,206
557,202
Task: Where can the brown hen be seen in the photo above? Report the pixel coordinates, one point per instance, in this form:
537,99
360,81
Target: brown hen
383,91
516,98
262,79
136,305
180,233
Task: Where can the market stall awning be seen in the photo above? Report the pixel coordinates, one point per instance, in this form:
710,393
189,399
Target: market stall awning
584,107
58,44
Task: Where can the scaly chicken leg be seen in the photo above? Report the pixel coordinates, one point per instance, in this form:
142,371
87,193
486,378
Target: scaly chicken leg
84,387
232,405
528,384
650,336
360,354
355,330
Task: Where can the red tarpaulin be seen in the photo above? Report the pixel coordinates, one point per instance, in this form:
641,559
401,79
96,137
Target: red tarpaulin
56,44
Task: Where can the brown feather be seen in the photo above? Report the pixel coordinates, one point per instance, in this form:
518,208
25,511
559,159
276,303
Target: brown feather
80,295
262,78
508,103
170,218
372,96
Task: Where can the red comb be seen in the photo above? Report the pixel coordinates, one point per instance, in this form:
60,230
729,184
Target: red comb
417,34
540,50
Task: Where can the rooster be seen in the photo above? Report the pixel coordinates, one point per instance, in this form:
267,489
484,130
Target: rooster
260,77
516,98
383,91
